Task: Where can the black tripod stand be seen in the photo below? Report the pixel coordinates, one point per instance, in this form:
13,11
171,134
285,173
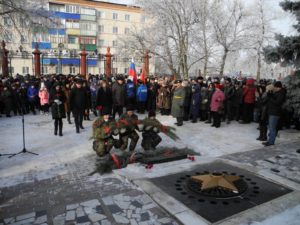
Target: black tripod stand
24,148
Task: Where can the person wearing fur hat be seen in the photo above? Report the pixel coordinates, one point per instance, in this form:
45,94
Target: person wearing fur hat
57,100
149,132
177,109
128,124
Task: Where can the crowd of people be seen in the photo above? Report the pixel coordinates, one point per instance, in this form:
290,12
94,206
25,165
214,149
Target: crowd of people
211,100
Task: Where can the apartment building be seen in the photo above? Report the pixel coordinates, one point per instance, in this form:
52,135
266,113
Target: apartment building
90,24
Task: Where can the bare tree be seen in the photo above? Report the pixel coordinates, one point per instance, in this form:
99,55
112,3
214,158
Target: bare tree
230,27
23,15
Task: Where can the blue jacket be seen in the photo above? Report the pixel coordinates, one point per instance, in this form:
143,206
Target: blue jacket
130,89
32,94
141,93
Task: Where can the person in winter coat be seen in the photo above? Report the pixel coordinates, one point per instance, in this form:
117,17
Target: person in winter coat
152,94
187,100
24,105
7,99
16,105
130,92
78,101
195,101
130,120
261,104
118,95
276,99
88,105
32,96
229,92
216,105
104,100
204,104
67,91
237,101
249,100
164,99
94,90
141,97
57,100
177,109
211,90
44,99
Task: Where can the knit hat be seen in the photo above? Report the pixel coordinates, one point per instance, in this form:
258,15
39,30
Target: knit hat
278,84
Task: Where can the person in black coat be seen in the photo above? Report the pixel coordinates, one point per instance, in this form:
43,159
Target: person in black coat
119,95
276,99
152,94
78,101
104,98
57,100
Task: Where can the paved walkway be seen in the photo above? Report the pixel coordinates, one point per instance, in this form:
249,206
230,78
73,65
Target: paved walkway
77,198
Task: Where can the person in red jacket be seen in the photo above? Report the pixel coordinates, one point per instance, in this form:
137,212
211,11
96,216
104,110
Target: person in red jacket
248,100
217,105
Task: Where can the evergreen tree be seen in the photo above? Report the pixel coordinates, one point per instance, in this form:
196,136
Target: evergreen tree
287,52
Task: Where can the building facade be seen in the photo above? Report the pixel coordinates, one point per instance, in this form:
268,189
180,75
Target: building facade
77,24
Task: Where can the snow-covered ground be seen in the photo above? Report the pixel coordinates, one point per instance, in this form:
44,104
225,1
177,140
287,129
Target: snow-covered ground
55,152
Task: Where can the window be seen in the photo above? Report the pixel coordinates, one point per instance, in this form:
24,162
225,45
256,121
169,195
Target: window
44,70
72,70
88,11
56,8
126,31
24,39
127,17
101,14
24,23
101,28
57,38
125,70
142,19
114,70
115,43
88,26
25,69
41,37
72,40
72,24
7,22
115,16
7,36
57,69
87,40
11,69
115,30
72,9
101,42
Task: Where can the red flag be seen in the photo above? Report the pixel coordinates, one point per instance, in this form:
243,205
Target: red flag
142,76
132,72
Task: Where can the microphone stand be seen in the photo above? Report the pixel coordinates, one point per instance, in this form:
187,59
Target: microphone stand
24,148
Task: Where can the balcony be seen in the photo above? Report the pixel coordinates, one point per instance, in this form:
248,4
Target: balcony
88,32
88,47
73,31
88,17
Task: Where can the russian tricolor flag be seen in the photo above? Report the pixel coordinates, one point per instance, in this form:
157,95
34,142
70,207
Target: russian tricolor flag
132,72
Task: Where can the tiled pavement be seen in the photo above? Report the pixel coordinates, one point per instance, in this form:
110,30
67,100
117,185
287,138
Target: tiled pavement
77,198
282,159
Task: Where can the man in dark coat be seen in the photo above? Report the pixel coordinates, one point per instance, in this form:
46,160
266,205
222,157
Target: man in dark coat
152,94
229,92
78,101
177,109
195,101
118,94
104,98
276,99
